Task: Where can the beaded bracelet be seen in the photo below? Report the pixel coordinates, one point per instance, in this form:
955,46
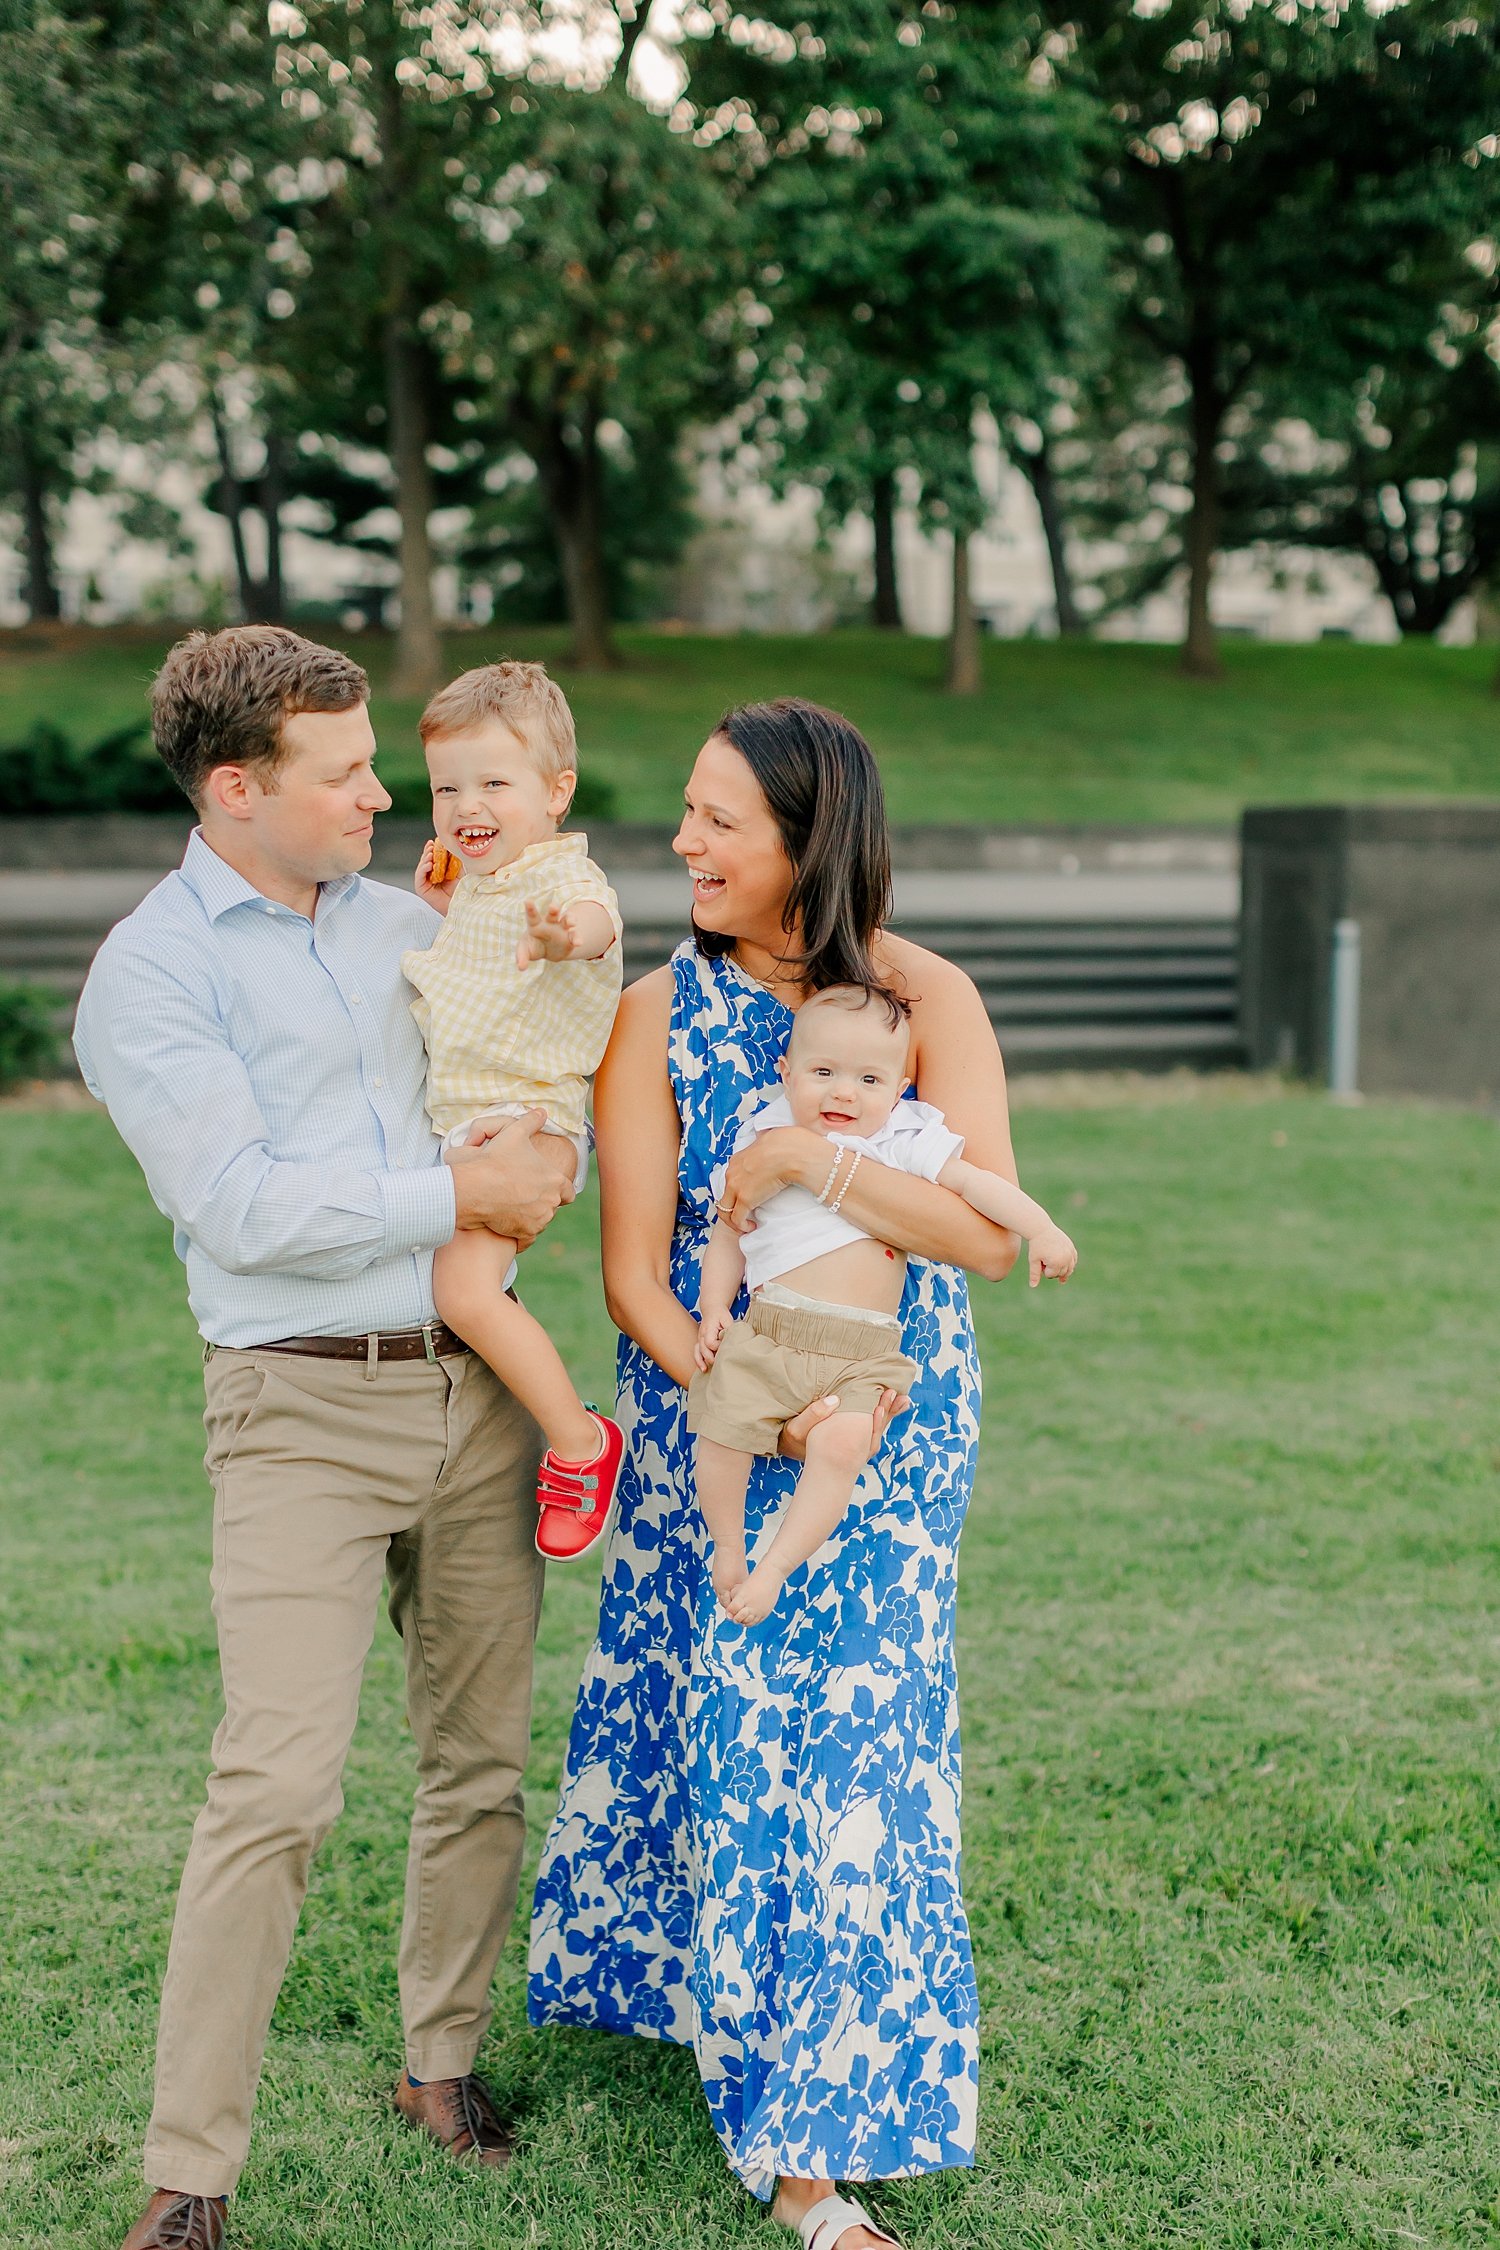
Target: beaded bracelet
838,1158
848,1182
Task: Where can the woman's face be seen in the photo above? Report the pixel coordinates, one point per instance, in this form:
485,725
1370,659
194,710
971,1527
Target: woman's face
733,849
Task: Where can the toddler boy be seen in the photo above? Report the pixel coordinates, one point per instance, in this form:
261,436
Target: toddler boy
515,1000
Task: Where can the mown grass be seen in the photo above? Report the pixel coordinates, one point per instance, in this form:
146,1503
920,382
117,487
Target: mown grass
1108,732
1228,1652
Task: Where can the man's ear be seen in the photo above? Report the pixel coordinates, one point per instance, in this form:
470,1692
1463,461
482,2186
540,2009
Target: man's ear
228,790
561,796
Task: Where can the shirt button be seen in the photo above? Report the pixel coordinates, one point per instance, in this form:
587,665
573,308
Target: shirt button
355,999
269,910
377,1083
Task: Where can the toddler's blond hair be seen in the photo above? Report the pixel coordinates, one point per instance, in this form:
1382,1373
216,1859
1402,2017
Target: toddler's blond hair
521,697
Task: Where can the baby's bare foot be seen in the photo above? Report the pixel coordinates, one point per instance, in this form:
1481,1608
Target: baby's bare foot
728,1570
754,1600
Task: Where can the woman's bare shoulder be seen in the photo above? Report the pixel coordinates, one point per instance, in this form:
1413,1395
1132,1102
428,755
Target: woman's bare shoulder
647,1003
924,979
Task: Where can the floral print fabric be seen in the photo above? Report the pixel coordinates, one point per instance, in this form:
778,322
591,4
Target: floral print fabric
756,1848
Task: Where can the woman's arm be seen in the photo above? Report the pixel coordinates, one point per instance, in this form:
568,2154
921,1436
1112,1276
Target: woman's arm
639,1137
956,1066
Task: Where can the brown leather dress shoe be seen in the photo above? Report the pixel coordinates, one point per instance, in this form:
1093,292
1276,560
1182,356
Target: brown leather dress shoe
179,2222
459,2115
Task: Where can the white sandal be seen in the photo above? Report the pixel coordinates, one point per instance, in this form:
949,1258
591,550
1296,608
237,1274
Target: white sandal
821,2224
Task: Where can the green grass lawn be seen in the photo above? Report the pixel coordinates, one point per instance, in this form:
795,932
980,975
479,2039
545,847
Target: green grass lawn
1228,1658
1097,732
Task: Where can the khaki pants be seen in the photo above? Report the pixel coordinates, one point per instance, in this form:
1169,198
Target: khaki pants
325,1482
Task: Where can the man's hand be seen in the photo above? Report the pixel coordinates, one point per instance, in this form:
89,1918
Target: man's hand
785,1157
794,1433
580,932
1053,1255
712,1322
507,1185
436,857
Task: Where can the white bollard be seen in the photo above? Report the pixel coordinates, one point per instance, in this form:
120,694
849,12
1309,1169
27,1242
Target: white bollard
1343,1013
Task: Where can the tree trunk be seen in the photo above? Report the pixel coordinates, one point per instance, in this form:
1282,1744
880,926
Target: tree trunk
885,611
572,479
963,638
1038,467
1200,651
272,494
419,659
232,509
43,601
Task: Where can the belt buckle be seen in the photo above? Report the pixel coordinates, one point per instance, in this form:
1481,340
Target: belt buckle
427,1343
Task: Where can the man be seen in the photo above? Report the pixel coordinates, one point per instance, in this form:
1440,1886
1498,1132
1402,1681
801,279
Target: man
248,1029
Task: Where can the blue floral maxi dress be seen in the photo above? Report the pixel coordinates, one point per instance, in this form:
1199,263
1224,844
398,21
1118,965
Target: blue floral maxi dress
756,1848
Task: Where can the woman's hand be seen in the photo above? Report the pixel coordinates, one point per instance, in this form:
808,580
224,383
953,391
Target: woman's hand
794,1435
787,1156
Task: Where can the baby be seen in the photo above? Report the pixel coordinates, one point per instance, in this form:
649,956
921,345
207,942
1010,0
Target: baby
823,1293
515,999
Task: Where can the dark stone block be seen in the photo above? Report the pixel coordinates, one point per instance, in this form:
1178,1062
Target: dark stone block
1423,883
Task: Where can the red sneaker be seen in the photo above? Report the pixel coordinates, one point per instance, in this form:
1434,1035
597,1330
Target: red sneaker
577,1498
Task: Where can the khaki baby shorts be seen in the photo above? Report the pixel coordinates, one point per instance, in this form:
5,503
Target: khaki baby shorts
787,1352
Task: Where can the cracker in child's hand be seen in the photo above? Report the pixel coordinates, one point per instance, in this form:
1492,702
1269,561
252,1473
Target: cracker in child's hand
446,865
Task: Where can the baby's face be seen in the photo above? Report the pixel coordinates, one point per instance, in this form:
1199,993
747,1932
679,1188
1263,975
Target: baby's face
489,802
845,1071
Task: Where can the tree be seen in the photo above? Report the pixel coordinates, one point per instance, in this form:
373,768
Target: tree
1276,174
605,313
65,112
922,236
1405,471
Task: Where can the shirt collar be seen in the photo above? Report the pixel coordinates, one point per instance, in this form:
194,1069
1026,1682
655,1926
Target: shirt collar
534,856
218,887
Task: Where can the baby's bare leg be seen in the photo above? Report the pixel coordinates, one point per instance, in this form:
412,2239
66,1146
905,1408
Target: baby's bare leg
467,1287
837,1450
723,1474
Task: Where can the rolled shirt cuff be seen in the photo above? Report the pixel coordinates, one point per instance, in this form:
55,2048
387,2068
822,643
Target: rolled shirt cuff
418,1209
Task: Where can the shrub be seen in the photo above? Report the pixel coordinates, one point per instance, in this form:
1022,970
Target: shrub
28,1033
47,772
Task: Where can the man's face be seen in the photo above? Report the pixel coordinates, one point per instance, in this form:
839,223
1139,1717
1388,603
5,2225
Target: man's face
316,819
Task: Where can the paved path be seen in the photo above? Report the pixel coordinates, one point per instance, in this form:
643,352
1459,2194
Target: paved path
101,897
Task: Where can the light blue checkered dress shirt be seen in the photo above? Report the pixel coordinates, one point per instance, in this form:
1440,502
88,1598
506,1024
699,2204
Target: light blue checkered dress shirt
267,1074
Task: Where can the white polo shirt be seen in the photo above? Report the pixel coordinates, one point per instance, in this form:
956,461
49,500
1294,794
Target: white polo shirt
794,1227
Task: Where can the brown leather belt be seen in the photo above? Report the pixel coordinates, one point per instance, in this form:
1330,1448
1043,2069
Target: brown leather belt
434,1341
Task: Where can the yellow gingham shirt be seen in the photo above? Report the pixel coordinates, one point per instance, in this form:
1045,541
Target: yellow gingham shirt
496,1033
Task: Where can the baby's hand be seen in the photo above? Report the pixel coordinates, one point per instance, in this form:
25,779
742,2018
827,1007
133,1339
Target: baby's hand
438,871
712,1322
1053,1255
550,936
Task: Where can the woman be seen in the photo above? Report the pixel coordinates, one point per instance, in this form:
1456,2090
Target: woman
756,1850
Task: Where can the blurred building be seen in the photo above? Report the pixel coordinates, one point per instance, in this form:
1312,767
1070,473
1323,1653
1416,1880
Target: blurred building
758,564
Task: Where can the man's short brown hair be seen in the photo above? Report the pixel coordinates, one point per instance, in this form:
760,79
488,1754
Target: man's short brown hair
220,699
521,697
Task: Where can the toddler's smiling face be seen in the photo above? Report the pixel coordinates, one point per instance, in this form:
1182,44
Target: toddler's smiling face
490,799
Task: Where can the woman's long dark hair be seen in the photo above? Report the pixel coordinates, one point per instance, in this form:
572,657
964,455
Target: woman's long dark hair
818,776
